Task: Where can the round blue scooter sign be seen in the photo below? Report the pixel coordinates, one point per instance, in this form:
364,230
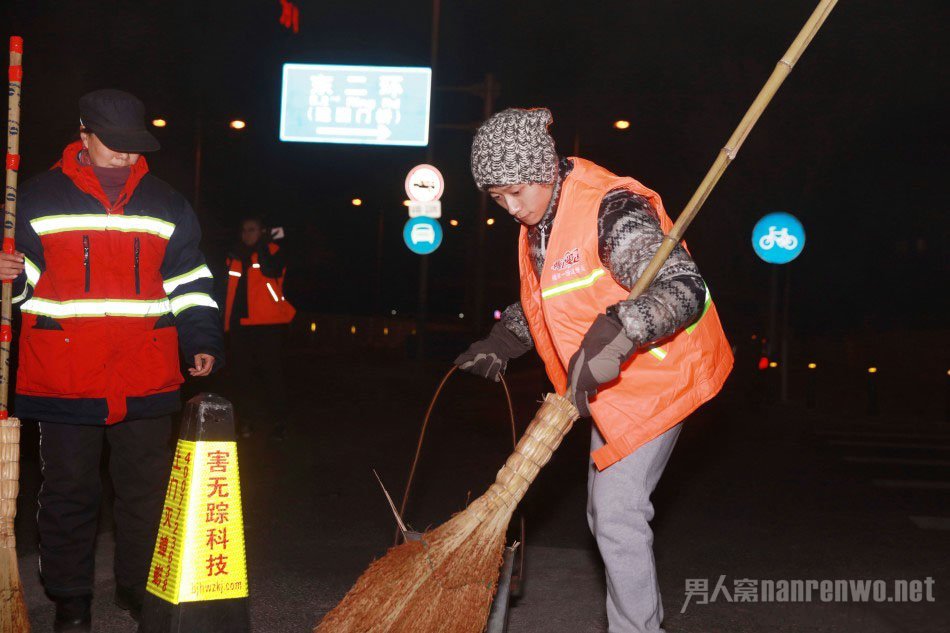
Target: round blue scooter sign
778,238
422,235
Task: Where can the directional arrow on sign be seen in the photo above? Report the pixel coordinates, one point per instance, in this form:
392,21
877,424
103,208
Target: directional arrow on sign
380,132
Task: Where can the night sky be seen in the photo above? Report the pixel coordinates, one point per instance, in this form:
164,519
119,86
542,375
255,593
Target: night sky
854,144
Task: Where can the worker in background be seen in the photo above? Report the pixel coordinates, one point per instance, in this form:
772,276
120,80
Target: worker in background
111,286
638,367
256,316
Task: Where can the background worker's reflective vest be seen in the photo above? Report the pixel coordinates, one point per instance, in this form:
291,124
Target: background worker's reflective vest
266,304
658,387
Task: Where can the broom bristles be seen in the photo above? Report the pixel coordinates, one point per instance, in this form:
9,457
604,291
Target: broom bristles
14,617
446,581
13,613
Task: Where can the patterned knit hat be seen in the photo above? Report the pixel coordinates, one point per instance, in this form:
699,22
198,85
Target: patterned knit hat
514,147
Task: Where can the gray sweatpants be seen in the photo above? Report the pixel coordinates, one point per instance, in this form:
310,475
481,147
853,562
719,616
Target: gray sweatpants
619,511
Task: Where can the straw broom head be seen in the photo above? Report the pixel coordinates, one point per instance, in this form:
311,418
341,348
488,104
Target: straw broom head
446,581
13,613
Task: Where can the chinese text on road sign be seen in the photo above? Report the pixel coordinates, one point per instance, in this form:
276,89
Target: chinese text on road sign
372,105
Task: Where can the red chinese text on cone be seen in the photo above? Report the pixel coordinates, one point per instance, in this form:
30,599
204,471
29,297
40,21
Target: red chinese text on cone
199,553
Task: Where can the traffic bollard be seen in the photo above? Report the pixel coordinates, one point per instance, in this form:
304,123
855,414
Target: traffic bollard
197,581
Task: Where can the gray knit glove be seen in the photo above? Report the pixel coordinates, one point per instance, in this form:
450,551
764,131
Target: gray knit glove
603,351
489,357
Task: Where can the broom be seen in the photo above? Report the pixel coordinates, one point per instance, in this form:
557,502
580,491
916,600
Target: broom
13,613
446,581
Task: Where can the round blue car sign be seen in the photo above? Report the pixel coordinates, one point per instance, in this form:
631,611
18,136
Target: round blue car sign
422,235
778,238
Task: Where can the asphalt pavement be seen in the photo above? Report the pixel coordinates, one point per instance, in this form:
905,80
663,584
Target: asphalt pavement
754,495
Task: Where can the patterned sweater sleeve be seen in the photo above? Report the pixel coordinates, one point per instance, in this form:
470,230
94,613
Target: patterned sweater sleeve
629,235
513,318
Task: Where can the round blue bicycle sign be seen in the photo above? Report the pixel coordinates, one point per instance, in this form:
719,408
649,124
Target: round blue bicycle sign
422,235
778,238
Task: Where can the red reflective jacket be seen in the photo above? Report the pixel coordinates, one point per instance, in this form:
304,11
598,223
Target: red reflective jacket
266,304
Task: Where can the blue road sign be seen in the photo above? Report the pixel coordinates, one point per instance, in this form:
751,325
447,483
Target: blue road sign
370,105
778,238
422,235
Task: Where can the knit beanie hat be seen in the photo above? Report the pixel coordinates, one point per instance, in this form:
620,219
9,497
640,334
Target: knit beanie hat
514,147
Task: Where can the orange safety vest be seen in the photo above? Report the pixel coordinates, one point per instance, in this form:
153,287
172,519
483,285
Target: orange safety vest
658,387
266,304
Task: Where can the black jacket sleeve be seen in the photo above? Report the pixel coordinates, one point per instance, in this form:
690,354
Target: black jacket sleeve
189,286
28,243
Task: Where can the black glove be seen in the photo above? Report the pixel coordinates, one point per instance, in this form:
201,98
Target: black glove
603,351
489,357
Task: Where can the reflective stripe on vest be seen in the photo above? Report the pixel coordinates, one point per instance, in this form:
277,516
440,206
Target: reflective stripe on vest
96,307
201,272
102,222
574,284
32,271
191,300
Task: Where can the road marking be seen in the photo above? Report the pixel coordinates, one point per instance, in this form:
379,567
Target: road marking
912,484
931,523
887,434
896,460
926,447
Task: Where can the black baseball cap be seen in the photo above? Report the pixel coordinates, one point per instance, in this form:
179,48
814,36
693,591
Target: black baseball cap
118,119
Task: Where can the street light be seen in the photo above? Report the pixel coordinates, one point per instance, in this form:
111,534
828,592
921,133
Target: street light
454,222
490,221
405,203
237,124
159,122
622,124
356,202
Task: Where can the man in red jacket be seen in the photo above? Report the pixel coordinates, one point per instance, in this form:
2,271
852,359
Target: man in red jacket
112,285
255,317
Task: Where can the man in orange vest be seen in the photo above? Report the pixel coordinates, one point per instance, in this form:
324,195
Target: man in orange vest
637,367
256,312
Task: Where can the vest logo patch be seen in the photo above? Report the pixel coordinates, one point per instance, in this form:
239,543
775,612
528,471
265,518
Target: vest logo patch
567,259
567,265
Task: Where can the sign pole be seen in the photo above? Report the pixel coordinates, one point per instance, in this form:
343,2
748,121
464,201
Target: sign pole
422,313
785,332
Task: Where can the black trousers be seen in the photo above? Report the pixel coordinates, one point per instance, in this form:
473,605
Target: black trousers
256,366
69,498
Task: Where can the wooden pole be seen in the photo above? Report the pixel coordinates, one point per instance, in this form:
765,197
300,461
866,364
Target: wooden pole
731,149
13,613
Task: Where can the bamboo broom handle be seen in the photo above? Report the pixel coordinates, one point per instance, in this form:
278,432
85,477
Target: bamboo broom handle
9,427
9,217
729,152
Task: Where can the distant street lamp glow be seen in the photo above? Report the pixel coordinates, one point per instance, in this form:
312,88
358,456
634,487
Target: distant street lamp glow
812,366
237,124
159,122
773,364
872,370
405,203
461,315
490,221
454,222
621,124
313,327
356,202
